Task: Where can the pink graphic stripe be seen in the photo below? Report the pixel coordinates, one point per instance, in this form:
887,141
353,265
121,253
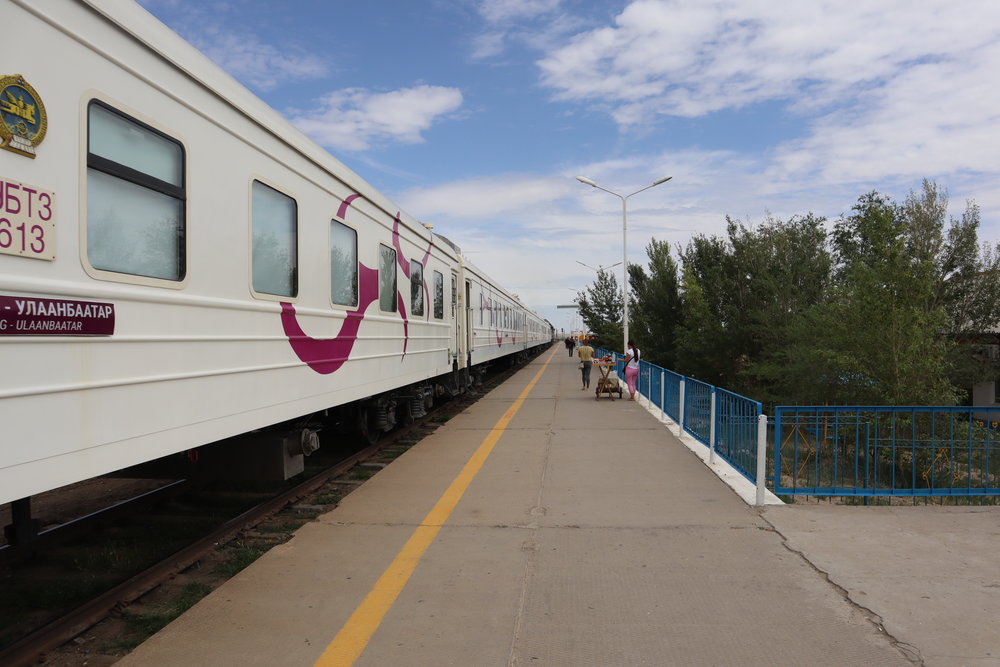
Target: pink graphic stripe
342,211
327,355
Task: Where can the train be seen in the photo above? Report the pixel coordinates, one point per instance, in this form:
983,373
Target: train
181,267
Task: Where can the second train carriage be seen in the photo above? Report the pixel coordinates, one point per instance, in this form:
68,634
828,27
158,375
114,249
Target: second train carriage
179,265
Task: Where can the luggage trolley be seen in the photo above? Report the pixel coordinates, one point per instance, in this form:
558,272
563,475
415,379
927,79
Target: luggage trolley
606,384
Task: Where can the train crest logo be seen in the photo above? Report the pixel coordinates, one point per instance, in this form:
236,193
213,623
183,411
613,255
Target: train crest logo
22,116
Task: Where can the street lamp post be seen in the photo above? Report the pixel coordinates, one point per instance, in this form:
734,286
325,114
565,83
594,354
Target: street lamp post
587,181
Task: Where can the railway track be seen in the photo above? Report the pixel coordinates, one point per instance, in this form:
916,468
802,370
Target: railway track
253,531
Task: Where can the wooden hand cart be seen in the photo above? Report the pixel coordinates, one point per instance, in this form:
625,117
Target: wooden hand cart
605,384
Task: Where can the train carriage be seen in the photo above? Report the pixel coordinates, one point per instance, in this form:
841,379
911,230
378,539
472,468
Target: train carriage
179,265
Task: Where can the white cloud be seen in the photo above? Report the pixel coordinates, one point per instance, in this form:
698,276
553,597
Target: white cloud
261,66
892,91
689,59
257,64
488,45
477,199
932,119
500,11
354,118
535,23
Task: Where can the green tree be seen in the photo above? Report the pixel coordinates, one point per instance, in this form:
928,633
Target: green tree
703,339
884,329
965,281
698,334
897,305
785,269
756,283
601,310
655,310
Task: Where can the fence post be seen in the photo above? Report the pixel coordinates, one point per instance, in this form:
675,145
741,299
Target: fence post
761,458
711,431
680,411
663,405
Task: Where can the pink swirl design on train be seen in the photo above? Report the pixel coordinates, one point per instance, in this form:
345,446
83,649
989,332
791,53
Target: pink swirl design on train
493,317
326,355
404,266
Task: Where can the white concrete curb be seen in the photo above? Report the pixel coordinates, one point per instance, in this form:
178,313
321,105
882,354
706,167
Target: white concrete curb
743,487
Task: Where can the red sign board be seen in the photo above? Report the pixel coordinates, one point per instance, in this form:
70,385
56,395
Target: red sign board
27,316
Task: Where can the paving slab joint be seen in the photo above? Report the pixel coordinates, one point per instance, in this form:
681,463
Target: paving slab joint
909,651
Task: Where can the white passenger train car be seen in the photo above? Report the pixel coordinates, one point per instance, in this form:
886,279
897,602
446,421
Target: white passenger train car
179,265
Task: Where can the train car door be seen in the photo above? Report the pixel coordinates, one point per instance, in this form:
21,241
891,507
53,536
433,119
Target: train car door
469,324
456,323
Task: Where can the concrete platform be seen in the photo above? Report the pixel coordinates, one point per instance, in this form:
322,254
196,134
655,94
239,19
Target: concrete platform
588,535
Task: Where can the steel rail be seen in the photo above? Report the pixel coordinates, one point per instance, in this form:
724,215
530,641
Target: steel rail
32,647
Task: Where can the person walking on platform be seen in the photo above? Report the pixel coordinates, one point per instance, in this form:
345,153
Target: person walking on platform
631,368
569,346
586,354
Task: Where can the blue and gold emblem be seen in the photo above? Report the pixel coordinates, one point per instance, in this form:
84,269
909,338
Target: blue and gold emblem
22,116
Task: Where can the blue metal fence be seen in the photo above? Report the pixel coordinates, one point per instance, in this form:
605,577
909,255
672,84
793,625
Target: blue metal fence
838,450
736,431
698,409
735,416
887,451
661,387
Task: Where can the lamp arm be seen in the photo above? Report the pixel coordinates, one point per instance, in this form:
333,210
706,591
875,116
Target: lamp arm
612,192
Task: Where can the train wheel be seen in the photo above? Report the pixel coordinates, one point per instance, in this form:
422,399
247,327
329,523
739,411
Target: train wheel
367,426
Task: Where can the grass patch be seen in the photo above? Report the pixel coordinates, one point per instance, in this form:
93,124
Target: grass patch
140,627
331,498
360,473
393,453
285,527
240,557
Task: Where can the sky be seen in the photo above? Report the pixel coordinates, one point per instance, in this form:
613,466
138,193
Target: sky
476,115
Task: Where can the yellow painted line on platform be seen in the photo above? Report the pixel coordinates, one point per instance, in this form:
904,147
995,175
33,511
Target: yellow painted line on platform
352,639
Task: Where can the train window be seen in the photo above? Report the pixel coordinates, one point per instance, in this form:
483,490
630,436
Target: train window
343,264
135,197
416,288
387,279
275,247
438,296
